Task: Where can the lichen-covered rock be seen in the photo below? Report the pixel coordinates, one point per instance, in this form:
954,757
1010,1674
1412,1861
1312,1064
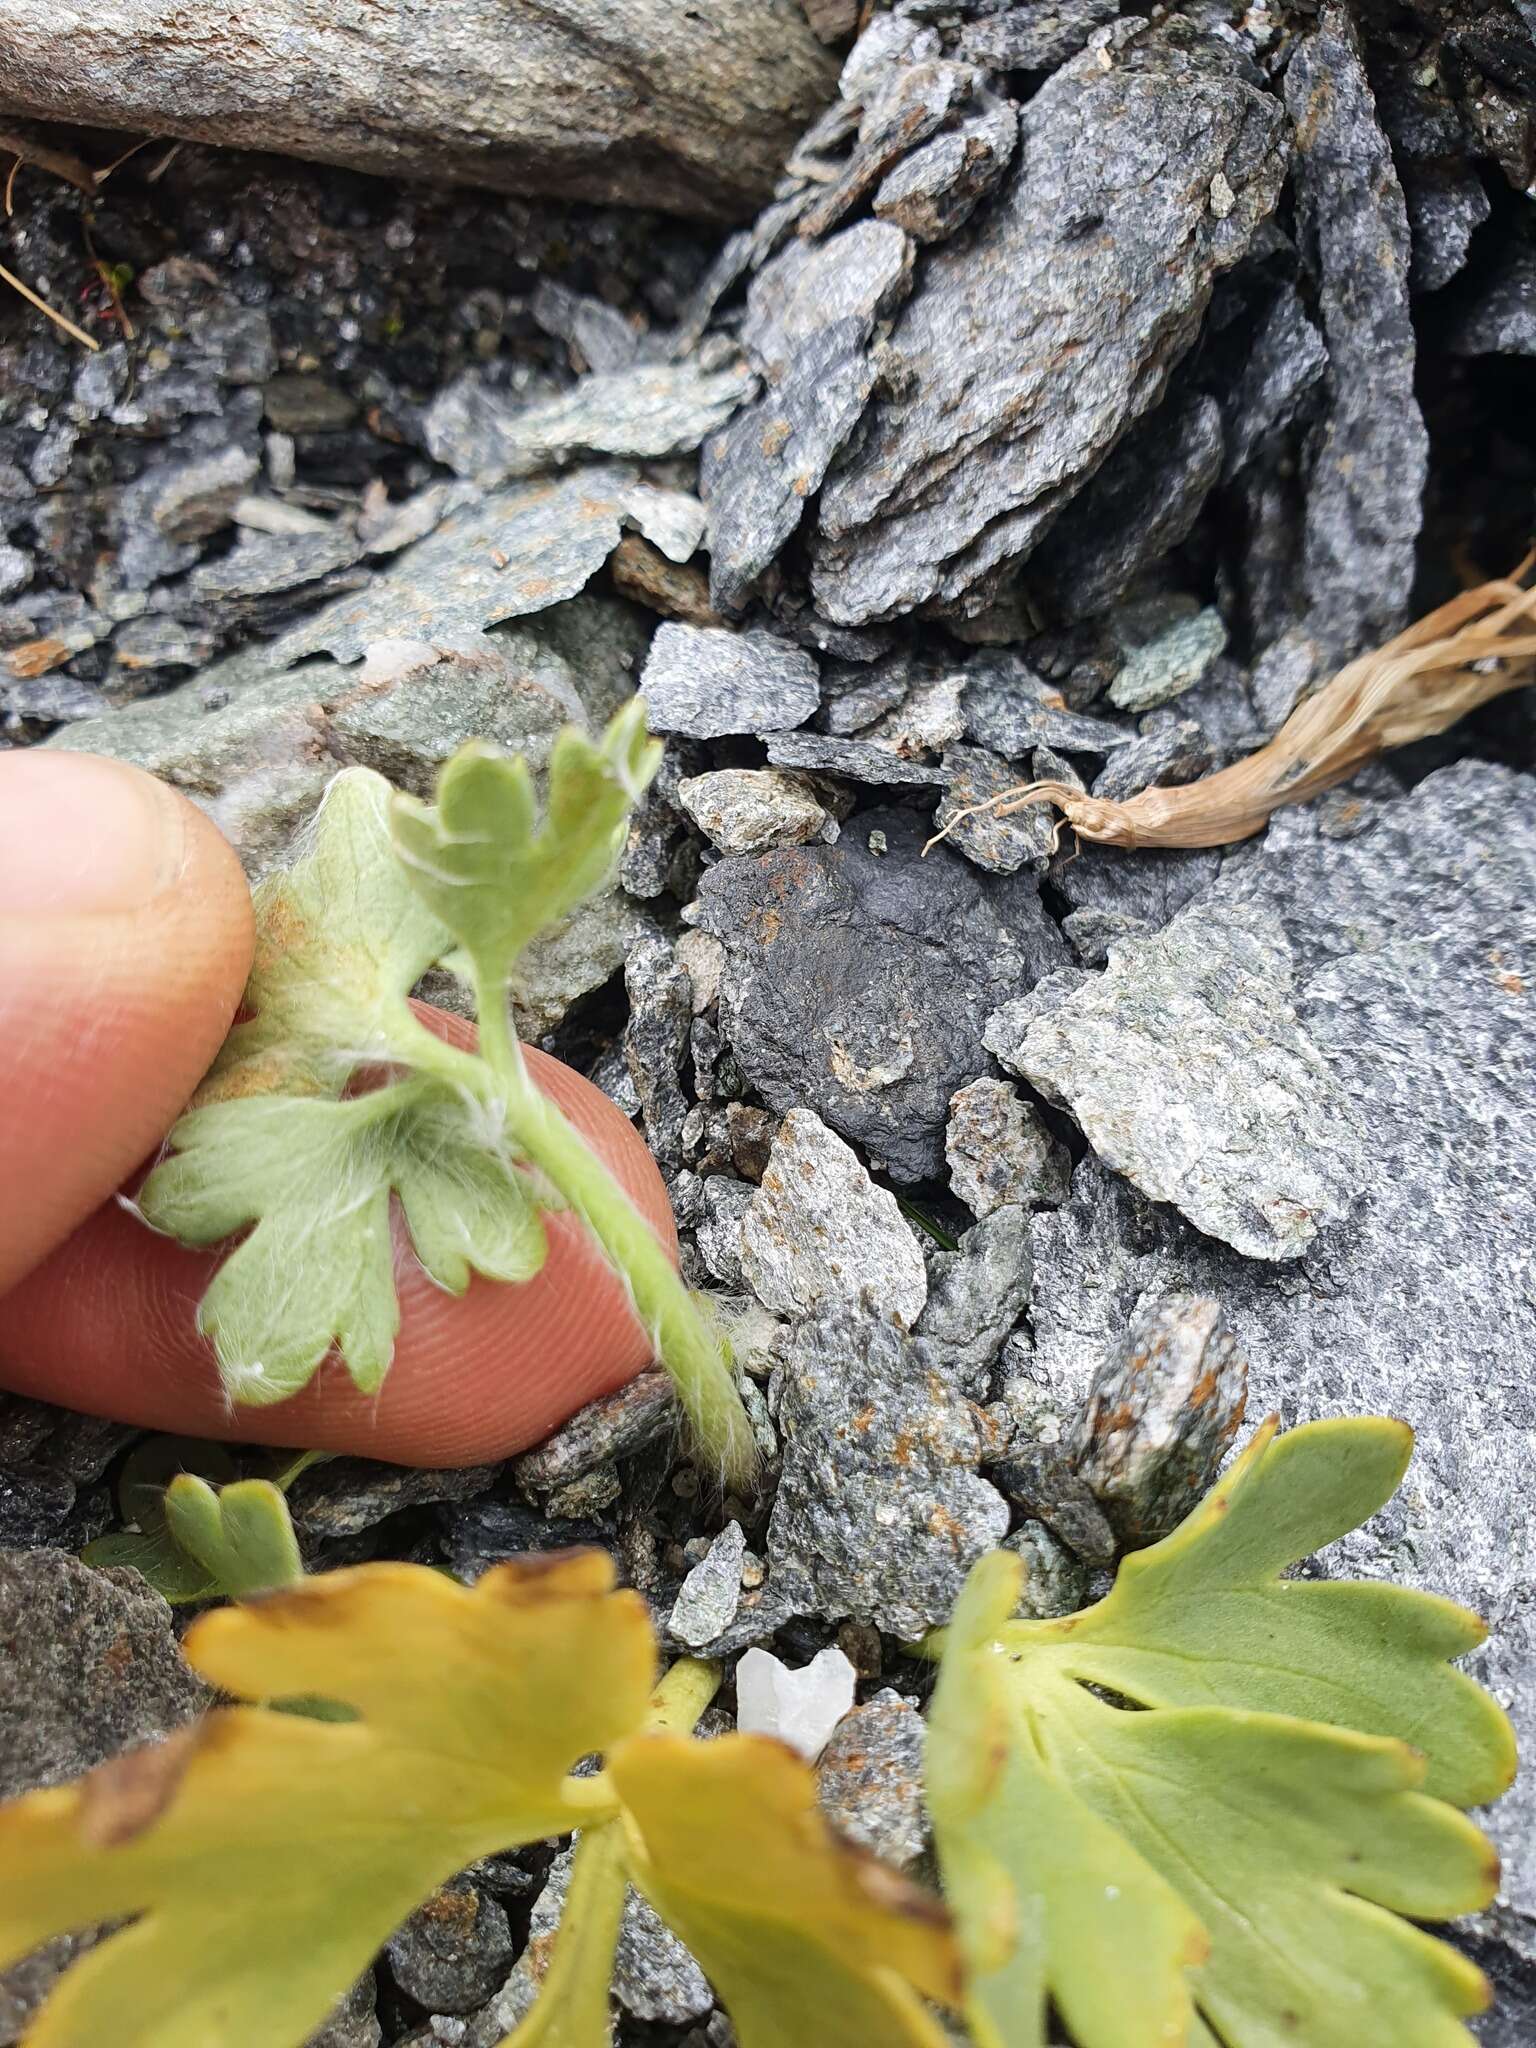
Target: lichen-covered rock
819,1233
1161,1415
1036,340
859,976
999,1151
870,1779
1190,1072
1055,1578
880,1511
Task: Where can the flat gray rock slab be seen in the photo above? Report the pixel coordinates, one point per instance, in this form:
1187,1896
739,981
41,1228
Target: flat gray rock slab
1188,1070
705,681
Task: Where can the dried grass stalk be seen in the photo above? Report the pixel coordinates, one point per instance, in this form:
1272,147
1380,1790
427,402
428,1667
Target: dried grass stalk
1469,651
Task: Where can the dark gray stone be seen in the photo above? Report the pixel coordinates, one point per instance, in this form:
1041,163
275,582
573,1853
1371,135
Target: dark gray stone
812,315
1144,501
656,1043
1000,1152
347,1495
938,187
879,1512
1501,321
1368,459
976,1295
1040,1479
859,976
453,1951
1000,844
1036,341
615,1426
1173,753
1011,709
860,760
1039,36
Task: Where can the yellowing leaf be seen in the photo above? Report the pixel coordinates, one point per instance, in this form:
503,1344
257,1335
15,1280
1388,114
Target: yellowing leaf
1269,1801
315,1178
805,1939
268,1857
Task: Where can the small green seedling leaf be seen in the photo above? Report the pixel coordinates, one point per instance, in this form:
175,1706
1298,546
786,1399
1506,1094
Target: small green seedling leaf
280,1149
484,866
241,1535
1198,1809
315,1178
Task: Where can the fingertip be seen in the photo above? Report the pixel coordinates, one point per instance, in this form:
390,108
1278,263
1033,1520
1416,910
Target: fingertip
125,940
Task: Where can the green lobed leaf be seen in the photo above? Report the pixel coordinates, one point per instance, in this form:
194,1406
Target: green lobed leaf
315,1179
146,1543
341,939
483,864
1215,1757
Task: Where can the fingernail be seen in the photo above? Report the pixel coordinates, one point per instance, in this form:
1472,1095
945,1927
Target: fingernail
80,833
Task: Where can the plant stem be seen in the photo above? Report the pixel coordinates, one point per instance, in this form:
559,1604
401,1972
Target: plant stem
662,1304
683,1694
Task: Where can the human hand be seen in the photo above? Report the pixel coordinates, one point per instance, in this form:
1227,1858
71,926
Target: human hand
125,939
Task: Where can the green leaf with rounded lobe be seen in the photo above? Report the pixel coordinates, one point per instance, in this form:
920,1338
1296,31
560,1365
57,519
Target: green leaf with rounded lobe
241,1535
1184,1756
489,870
311,1180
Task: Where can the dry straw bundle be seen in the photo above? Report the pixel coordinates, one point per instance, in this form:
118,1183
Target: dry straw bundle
1470,650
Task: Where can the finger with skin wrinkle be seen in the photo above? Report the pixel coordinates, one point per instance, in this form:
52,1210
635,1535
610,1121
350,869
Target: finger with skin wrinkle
108,1324
125,939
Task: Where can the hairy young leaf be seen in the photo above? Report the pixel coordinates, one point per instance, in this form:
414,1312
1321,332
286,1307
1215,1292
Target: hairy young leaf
804,1938
341,940
1239,1850
268,1857
483,865
315,1179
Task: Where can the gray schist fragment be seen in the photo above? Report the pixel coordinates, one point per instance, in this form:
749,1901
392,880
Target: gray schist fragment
1189,1072
1414,952
858,977
860,760
705,681
1162,1414
908,103
1039,36
1000,1152
1002,844
1282,362
517,551
819,1232
648,409
1501,321
1177,751
1033,344
880,1511
1369,457
937,188
1144,501
812,314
